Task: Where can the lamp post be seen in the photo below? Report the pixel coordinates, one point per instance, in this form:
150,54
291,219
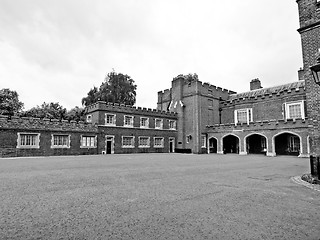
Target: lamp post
315,69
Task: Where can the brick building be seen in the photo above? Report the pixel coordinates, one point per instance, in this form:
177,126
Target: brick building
125,129
110,128
45,137
309,18
191,116
271,121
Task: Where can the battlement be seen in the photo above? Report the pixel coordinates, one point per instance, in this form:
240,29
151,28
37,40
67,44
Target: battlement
116,107
263,93
257,125
28,123
212,88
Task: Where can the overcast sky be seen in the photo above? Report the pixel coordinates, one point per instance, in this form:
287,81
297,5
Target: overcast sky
55,51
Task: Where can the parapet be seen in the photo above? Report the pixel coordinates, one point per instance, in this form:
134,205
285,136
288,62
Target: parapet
258,125
116,107
28,123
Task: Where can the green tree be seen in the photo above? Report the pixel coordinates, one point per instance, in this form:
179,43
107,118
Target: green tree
47,110
9,102
91,97
76,114
116,88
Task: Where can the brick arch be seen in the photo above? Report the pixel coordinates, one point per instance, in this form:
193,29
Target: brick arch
255,133
213,149
285,132
231,147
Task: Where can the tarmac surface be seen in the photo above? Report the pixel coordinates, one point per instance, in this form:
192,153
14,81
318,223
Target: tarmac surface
157,196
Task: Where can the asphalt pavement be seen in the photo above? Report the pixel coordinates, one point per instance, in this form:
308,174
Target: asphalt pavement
157,196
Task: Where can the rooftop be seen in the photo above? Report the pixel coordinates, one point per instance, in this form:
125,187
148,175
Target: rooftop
266,91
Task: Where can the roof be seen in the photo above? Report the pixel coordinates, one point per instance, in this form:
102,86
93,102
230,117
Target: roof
267,91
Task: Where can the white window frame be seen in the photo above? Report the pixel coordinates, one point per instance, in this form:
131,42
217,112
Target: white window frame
144,145
113,123
147,122
249,115
67,145
172,124
203,141
287,106
158,145
84,141
161,123
89,118
125,124
132,142
29,146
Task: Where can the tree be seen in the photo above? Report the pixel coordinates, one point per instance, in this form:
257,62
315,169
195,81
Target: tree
91,97
189,77
9,102
116,88
47,110
76,114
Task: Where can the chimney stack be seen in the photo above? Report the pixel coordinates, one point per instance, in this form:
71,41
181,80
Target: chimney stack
255,84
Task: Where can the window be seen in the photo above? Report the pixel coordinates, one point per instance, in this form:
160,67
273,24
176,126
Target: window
144,122
128,142
293,144
88,141
158,142
60,141
243,115
110,119
144,141
203,141
89,118
294,110
210,103
172,124
128,121
158,123
28,140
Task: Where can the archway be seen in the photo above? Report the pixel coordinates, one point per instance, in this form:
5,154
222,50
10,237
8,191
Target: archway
256,144
230,144
213,145
287,144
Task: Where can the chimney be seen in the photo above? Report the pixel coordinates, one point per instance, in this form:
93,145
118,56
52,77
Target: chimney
301,74
255,84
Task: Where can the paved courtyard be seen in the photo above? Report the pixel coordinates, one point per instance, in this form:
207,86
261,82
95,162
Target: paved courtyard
157,196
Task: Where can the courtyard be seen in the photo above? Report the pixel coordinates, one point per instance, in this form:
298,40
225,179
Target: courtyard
157,196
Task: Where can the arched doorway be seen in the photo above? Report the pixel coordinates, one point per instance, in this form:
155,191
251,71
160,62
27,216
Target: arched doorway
230,144
287,144
256,144
213,145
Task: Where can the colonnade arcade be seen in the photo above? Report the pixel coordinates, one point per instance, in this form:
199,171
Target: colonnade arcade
271,143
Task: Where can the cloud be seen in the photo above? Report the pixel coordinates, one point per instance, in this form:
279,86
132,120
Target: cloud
58,50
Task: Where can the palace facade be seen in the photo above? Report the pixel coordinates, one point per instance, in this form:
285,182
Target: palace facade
191,117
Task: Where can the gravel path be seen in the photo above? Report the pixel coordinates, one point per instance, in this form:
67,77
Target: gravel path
157,196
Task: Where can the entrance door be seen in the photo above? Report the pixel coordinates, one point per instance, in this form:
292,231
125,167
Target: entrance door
109,144
171,145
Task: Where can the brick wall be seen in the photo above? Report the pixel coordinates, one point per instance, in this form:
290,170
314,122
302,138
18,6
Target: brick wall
266,104
309,16
10,128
